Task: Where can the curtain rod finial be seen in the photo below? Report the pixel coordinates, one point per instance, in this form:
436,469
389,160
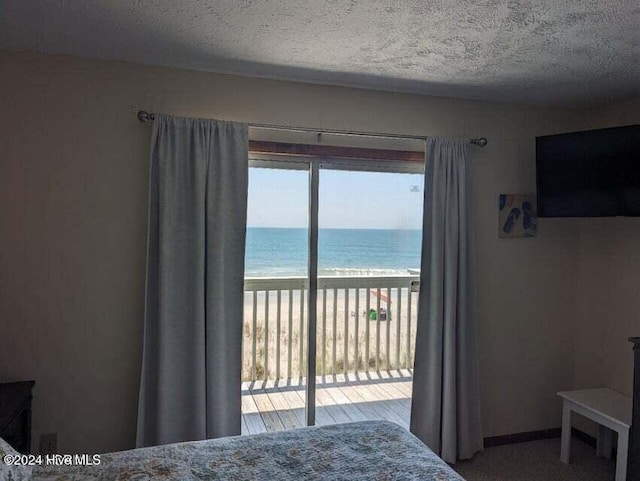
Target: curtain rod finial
480,142
144,116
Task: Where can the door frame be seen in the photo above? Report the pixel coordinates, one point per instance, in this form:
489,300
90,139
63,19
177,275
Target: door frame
313,165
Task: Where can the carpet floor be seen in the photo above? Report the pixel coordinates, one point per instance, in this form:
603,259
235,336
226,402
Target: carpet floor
537,461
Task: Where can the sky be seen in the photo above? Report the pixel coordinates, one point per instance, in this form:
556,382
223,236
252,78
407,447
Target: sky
348,200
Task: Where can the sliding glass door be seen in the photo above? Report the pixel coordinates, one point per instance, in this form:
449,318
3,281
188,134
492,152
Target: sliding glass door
332,269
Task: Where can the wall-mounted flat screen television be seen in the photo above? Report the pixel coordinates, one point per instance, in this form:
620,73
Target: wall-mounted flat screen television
595,173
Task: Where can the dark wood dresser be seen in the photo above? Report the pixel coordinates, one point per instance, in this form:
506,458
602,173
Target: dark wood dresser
15,414
633,466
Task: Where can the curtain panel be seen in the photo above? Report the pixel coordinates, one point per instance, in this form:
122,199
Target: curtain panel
191,367
445,410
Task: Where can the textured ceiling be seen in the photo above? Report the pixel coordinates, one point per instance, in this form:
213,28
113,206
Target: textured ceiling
568,52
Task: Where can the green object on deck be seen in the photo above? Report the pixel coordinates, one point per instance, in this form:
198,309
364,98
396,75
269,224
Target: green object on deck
373,315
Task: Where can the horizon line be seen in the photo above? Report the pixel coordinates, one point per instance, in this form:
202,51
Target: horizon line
336,228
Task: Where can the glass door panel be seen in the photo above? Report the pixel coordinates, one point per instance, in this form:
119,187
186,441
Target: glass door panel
369,246
275,300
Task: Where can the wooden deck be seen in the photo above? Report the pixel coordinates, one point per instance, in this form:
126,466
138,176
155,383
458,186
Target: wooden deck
278,405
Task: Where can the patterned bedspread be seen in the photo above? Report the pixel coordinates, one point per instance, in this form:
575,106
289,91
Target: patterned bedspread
371,451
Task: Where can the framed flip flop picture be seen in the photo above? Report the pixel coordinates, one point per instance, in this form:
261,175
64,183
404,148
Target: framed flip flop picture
517,216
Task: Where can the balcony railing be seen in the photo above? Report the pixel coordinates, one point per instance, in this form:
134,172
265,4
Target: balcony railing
363,323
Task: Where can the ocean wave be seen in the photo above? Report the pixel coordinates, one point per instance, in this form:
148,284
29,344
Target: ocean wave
364,271
332,271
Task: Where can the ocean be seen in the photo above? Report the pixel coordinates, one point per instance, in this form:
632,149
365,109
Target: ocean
279,252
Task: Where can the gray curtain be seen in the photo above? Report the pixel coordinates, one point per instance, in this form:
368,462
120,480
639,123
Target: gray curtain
190,385
445,409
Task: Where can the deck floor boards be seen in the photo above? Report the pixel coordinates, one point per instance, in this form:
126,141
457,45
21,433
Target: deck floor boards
276,405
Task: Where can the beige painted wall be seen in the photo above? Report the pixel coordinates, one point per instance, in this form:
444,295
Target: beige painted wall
73,181
608,294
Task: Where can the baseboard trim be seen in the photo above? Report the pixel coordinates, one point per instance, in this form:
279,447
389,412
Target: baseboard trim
536,436
521,437
584,437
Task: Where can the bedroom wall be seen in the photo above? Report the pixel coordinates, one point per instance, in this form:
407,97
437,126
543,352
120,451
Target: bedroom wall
608,295
73,187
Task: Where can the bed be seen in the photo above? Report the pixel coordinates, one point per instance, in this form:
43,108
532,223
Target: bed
371,451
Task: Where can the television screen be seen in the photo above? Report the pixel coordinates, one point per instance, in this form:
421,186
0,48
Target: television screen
595,173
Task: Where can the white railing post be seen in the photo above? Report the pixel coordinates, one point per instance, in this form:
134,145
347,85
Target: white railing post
324,332
378,329
301,337
266,334
409,302
388,338
278,301
356,340
399,324
335,330
289,334
345,366
253,334
368,332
